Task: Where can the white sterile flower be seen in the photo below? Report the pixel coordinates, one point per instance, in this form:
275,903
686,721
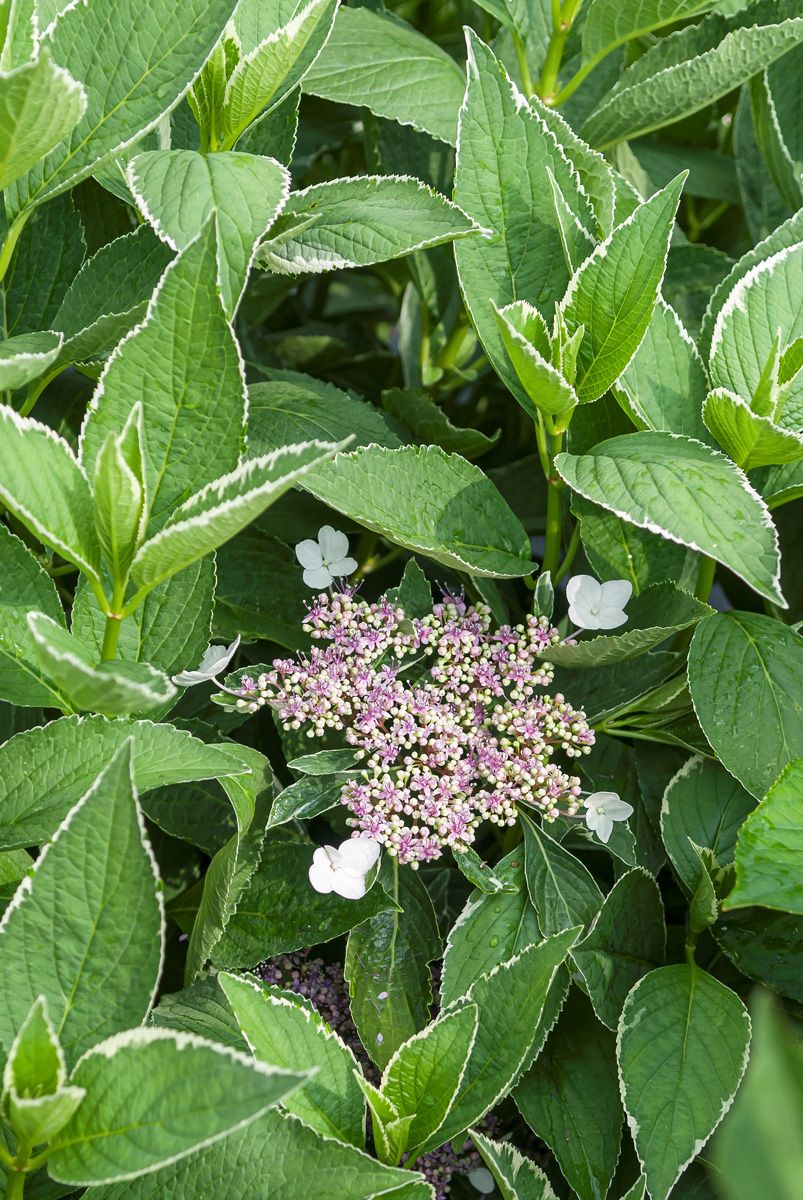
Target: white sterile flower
216,659
326,559
344,870
594,605
602,809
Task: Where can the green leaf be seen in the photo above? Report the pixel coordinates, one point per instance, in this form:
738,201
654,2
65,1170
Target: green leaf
279,908
119,497
44,771
760,1146
750,440
596,173
283,1029
625,941
703,907
39,1119
746,682
359,221
24,585
616,550
652,617
768,848
294,408
387,967
20,32
274,67
527,343
690,70
200,1008
510,999
248,1157
35,1061
570,1099
45,488
325,762
109,294
614,293
705,805
783,484
305,799
563,891
765,946
424,1075
115,689
197,813
775,102
187,1092
608,24
664,386
94,895
373,59
142,71
183,364
428,423
685,491
491,929
179,190
787,234
233,865
222,509
35,1101
40,103
682,1048
504,150
26,357
428,501
517,1177
760,308
414,593
49,253
480,874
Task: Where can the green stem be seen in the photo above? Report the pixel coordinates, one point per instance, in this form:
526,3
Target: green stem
36,388
15,1185
135,601
705,578
557,43
711,217
543,451
691,943
111,637
451,351
524,66
554,507
114,620
570,555
377,562
14,232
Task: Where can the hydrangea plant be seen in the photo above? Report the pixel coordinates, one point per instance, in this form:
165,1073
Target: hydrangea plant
401,755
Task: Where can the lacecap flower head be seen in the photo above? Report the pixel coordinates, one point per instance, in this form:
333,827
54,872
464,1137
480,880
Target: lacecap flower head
449,716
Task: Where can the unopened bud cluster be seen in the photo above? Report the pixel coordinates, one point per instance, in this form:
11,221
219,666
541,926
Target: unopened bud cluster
448,714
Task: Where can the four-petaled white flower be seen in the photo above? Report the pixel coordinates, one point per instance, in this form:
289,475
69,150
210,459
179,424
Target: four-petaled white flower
344,870
594,605
326,559
602,809
216,659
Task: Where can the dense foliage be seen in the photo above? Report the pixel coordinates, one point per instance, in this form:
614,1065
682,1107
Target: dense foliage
441,363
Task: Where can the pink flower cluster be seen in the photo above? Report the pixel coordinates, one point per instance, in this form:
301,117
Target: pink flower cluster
446,713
